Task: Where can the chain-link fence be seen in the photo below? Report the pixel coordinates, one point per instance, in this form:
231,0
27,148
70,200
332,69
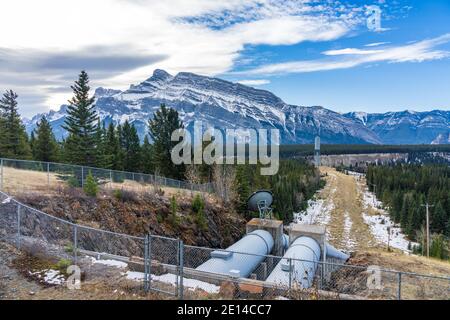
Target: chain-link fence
166,265
36,176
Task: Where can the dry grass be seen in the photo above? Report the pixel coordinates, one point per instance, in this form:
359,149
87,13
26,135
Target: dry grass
17,181
412,286
342,191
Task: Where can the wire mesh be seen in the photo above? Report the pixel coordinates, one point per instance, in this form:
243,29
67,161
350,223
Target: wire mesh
35,176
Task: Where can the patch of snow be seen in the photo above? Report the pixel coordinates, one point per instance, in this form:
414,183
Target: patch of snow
380,223
370,200
50,276
317,212
109,262
281,298
169,278
348,242
7,200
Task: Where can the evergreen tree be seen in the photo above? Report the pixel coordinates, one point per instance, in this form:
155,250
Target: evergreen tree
13,138
146,157
165,121
32,143
131,149
438,218
120,156
112,148
80,123
45,147
100,137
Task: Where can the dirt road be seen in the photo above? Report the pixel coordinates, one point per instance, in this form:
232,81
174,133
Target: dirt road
342,196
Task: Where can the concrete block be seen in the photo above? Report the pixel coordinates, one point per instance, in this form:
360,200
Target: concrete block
274,227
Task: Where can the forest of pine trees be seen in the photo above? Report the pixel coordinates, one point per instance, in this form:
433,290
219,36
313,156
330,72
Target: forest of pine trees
295,183
404,189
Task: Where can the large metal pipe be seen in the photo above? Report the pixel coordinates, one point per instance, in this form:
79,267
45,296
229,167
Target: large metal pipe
253,247
332,252
302,272
298,265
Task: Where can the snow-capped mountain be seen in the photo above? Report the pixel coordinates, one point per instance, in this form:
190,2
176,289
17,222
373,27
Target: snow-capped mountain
407,127
221,104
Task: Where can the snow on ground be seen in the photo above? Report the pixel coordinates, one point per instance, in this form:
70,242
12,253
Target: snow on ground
355,174
318,212
111,263
50,276
169,278
370,200
379,224
348,242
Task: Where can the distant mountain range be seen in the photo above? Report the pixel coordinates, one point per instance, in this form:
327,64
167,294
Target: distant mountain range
225,104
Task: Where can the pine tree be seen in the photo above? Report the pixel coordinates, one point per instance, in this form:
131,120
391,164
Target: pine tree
13,138
32,143
146,157
45,147
165,121
131,149
100,137
120,155
438,218
112,148
80,123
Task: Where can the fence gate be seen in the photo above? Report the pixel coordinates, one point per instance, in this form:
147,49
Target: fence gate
163,265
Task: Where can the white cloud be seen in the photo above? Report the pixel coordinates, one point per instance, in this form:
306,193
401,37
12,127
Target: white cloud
347,58
255,82
201,36
376,44
349,51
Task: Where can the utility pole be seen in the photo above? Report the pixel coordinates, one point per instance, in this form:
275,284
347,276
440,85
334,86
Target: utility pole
427,207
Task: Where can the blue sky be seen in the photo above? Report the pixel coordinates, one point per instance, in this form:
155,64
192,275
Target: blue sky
307,52
371,87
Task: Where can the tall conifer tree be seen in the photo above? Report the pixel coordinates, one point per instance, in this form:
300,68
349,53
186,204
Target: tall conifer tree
81,124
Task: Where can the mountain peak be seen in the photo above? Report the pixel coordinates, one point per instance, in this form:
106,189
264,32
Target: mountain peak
161,74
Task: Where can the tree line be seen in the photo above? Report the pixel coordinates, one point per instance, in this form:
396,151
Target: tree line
406,188
295,183
305,150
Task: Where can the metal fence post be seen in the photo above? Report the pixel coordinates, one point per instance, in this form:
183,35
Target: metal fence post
110,179
18,225
48,175
399,293
1,171
82,177
322,272
181,271
146,263
75,243
290,275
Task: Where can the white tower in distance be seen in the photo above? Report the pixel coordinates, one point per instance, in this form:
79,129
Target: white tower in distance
317,152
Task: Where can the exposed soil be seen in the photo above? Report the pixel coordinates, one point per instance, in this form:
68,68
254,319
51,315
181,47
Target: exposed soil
138,214
99,282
